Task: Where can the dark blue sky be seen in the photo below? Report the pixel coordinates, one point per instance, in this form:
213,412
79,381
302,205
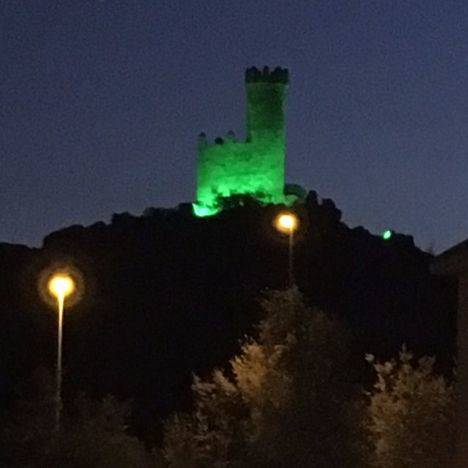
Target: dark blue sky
101,103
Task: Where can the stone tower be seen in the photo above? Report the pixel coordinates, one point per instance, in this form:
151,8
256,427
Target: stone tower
255,166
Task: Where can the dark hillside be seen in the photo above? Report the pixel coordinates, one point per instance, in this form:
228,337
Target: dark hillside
168,294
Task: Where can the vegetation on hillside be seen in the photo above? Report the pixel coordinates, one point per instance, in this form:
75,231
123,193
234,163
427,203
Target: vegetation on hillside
168,295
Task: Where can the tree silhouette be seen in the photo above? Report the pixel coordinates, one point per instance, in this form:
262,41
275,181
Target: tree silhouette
92,434
288,398
410,414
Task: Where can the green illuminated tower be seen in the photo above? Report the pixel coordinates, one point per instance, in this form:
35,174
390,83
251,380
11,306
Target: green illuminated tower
255,166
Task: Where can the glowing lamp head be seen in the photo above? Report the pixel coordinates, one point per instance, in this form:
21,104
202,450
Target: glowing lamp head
61,286
286,222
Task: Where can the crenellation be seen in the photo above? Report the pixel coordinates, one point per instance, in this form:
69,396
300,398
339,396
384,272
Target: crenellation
278,75
202,140
230,136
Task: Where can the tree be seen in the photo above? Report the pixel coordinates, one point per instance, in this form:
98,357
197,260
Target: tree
93,433
410,414
97,436
288,398
214,434
27,435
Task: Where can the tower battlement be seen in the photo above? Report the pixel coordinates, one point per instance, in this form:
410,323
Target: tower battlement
277,76
203,140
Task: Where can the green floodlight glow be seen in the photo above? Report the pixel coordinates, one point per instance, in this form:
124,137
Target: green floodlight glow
255,167
387,234
203,211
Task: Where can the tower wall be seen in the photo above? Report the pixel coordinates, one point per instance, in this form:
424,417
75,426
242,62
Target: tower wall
266,93
253,167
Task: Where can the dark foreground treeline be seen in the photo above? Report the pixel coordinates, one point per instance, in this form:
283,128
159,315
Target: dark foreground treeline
291,397
167,294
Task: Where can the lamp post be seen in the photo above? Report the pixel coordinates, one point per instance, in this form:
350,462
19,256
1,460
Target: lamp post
60,286
287,223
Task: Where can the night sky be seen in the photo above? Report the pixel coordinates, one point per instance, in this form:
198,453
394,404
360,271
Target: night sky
102,101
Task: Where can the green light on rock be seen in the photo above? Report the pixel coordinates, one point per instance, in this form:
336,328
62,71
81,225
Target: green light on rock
255,167
387,234
203,211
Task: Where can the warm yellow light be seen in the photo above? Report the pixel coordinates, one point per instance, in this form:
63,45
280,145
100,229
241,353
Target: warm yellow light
287,222
61,286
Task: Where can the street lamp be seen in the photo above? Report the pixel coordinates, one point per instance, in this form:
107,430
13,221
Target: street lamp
287,223
60,285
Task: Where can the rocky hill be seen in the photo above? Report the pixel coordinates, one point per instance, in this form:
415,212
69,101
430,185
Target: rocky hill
167,294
